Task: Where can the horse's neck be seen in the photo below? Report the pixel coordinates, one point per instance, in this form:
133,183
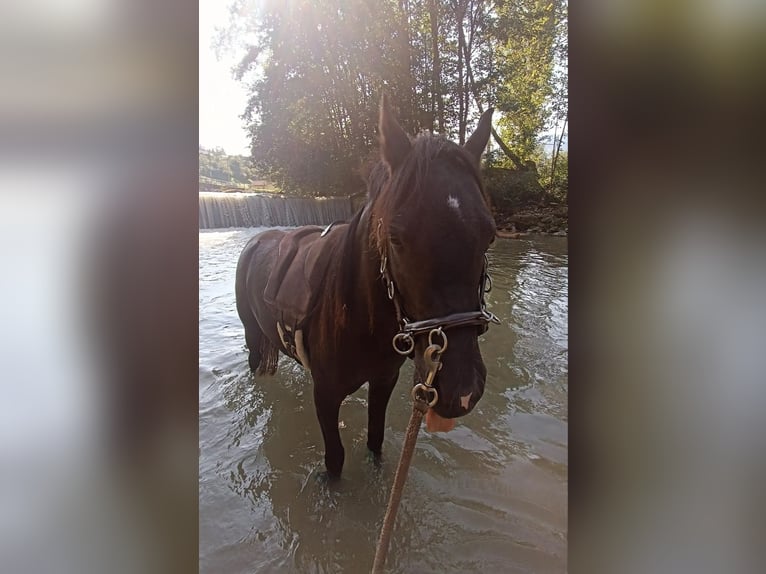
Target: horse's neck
370,299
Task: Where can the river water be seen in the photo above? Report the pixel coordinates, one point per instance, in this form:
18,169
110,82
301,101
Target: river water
489,496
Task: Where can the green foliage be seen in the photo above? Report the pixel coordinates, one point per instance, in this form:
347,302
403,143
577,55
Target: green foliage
317,68
218,169
216,165
560,183
527,32
554,178
511,188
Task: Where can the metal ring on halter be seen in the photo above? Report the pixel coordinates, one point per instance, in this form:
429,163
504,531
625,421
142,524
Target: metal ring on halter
442,334
383,263
427,391
390,289
405,338
487,283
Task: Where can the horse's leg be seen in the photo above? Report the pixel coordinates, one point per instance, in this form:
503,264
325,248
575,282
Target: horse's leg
327,405
253,336
380,393
253,333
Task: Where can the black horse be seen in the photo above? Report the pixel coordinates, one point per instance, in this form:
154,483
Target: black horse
411,259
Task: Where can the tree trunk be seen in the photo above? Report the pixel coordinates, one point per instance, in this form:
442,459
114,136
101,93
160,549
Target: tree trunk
468,49
553,153
406,87
437,103
462,93
501,144
558,147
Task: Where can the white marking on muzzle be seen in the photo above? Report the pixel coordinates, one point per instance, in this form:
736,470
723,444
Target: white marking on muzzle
465,401
453,202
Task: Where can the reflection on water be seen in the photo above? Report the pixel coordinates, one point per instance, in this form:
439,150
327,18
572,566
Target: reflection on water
489,495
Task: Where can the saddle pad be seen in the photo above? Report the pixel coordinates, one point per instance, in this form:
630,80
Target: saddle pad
296,279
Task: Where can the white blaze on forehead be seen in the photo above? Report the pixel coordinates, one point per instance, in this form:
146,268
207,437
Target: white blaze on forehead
453,202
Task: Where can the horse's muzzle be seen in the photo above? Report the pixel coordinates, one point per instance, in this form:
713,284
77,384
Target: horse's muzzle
459,400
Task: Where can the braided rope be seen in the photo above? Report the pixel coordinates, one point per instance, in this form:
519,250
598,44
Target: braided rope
419,408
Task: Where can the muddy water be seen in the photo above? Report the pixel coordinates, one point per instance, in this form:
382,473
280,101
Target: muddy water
489,496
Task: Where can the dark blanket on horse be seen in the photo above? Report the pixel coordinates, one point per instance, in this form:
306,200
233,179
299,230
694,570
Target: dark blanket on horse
298,274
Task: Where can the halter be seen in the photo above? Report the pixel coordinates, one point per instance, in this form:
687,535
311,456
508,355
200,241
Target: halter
404,341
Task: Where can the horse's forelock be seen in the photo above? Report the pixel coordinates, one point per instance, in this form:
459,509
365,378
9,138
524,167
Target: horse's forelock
406,184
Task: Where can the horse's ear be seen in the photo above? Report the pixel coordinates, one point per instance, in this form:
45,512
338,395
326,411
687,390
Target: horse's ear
394,142
478,140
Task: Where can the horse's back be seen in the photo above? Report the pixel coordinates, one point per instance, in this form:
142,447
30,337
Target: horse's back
259,245
255,259
280,273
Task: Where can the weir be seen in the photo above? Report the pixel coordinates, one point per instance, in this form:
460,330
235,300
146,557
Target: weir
218,210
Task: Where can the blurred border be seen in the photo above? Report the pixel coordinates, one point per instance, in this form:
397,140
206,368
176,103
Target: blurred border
668,275
98,174
98,190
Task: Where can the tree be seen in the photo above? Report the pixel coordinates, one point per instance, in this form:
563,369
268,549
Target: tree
558,108
215,164
526,35
316,71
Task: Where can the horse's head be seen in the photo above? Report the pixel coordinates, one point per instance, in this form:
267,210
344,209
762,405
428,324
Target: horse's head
432,225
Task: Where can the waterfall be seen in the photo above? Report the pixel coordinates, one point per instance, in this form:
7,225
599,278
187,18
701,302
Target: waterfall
218,209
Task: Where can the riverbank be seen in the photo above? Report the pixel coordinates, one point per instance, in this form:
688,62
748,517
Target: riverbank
550,219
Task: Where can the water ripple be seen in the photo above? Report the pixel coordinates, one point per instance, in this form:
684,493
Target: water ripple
490,495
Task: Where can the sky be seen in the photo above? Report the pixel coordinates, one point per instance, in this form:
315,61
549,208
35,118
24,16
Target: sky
221,98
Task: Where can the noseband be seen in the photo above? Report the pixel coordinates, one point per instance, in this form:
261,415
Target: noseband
404,340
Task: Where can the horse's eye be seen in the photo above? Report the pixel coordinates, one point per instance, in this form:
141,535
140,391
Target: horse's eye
396,240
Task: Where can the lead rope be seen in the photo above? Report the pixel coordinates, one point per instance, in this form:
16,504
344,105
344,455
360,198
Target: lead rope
419,408
424,396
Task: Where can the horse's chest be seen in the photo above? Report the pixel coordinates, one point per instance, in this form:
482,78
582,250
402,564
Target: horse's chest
355,357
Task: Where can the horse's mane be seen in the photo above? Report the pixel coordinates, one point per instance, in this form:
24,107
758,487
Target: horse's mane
341,281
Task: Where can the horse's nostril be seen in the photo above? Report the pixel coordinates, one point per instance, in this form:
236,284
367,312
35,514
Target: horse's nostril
465,401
